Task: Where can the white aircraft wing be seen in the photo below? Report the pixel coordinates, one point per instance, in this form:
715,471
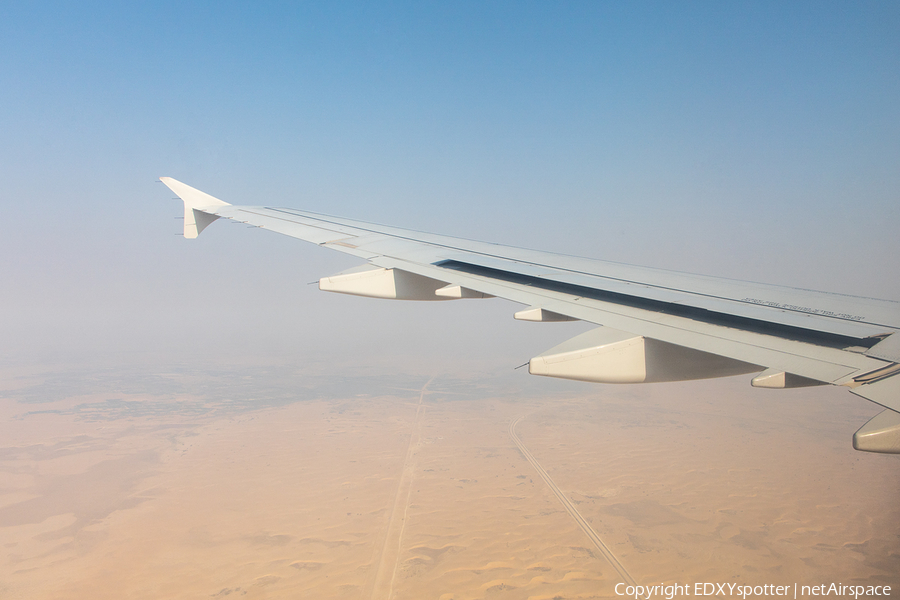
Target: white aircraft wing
656,325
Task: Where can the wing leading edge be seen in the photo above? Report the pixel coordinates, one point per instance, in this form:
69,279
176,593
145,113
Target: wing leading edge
656,325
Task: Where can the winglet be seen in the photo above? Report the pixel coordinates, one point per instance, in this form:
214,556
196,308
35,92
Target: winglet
196,218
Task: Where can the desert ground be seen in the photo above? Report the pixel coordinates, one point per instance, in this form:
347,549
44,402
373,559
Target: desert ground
276,484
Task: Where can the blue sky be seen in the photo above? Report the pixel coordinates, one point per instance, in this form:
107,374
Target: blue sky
755,140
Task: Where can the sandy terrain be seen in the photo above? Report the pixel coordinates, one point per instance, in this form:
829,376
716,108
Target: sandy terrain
421,493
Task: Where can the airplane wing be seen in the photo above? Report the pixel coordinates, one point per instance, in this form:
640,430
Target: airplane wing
655,325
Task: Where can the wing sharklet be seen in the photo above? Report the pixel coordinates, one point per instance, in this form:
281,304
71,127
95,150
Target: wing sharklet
195,218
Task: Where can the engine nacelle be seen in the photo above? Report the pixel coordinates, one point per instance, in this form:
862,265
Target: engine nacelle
881,434
606,355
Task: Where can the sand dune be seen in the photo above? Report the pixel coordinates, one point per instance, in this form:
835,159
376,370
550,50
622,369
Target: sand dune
298,500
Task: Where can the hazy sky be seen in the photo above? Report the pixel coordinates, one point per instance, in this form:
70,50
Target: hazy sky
754,140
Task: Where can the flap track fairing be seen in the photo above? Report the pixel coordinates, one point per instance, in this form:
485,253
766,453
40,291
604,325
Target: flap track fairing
377,282
606,355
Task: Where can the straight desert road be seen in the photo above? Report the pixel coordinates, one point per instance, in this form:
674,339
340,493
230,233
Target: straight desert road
570,508
383,586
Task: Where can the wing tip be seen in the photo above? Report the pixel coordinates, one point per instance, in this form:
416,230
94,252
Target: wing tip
195,218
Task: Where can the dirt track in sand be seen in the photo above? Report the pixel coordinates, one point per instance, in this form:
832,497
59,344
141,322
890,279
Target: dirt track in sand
292,501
